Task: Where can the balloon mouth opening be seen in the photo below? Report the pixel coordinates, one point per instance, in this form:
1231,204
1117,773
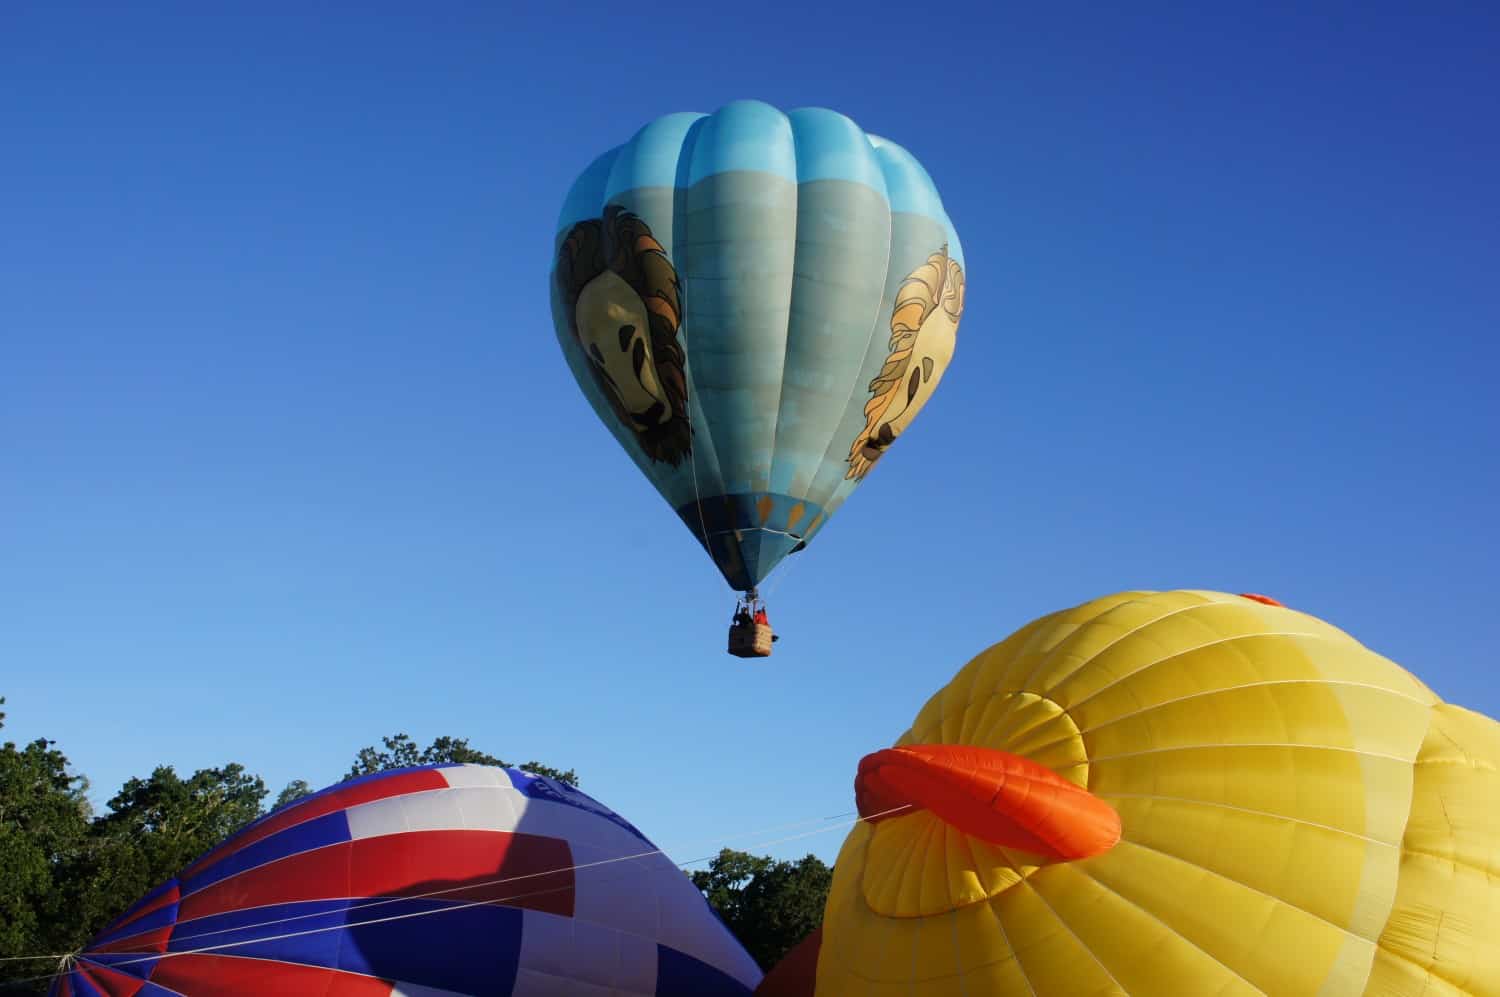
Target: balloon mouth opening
995,796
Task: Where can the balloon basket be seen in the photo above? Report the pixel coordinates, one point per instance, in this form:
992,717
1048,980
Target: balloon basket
750,641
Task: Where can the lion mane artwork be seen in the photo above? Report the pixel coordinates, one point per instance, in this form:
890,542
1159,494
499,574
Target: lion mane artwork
924,329
624,307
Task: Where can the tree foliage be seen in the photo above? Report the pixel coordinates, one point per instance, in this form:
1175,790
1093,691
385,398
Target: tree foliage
294,791
402,752
155,827
44,817
769,905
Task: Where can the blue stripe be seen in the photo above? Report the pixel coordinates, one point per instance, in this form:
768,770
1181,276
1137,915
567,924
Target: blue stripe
83,988
541,788
473,950
148,898
469,950
680,975
294,916
329,829
129,963
156,919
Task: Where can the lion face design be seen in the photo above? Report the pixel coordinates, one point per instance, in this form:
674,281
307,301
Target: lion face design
924,331
624,307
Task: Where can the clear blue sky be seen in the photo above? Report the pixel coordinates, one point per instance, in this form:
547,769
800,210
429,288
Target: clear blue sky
291,459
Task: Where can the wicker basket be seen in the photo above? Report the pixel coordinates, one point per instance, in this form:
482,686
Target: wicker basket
751,640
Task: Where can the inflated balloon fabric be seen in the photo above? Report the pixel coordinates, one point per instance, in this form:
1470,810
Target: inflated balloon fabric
757,305
424,882
1298,815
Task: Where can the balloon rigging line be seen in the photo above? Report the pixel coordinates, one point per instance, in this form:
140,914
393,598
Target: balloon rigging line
545,872
687,406
64,957
779,573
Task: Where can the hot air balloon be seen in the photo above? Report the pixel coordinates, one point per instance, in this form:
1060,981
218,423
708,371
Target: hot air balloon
1171,793
432,881
757,305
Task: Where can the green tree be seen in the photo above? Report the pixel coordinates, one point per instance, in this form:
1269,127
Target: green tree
295,790
402,752
175,820
769,905
155,828
44,816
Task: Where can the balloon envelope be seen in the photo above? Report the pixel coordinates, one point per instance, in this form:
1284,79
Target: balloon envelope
459,879
757,305
1299,815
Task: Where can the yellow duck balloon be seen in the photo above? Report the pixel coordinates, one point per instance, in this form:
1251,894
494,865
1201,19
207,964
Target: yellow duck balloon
1177,793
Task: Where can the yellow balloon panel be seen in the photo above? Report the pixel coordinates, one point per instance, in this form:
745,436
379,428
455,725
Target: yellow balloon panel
1143,953
1317,869
926,867
1237,925
1392,976
1445,928
1049,955
1318,785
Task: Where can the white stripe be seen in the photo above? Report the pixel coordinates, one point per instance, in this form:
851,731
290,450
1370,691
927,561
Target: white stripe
417,990
490,809
468,776
563,955
620,895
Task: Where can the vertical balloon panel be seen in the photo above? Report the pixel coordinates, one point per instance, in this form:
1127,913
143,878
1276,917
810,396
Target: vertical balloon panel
843,255
919,229
650,178
582,204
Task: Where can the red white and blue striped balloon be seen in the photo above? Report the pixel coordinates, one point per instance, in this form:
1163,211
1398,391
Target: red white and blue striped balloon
424,882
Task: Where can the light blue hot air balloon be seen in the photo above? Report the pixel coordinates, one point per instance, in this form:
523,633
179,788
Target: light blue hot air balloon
757,305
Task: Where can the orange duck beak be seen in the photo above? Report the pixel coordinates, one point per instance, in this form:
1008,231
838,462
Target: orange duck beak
992,795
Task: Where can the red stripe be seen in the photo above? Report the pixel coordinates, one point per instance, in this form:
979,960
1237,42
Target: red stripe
403,865
65,987
168,896
112,982
233,976
154,940
339,799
